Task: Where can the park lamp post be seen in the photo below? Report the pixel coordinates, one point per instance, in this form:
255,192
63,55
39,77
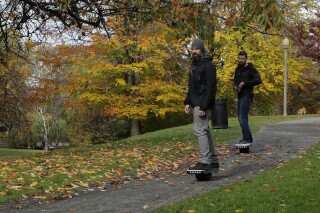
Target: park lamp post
285,47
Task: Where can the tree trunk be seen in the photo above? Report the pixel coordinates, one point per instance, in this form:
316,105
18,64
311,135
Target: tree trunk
280,107
133,78
135,127
46,128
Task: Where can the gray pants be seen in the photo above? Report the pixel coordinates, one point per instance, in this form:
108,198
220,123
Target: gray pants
202,132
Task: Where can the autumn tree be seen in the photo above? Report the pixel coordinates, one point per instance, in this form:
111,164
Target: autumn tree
13,94
306,38
47,95
40,19
103,70
266,54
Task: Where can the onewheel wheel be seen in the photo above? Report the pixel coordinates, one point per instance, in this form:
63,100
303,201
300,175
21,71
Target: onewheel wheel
204,177
245,150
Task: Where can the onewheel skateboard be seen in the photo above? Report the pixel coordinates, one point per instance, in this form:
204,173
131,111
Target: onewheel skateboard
244,148
203,175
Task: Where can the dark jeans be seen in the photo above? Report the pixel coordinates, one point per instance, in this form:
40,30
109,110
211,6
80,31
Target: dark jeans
244,104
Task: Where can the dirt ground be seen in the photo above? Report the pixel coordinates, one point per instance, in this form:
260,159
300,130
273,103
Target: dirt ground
273,144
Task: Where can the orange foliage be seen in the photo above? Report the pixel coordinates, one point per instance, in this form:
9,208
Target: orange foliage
99,75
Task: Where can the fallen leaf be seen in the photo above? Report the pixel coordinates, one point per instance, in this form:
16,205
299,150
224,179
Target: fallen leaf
140,174
83,184
227,190
33,184
21,180
15,187
66,196
40,197
280,165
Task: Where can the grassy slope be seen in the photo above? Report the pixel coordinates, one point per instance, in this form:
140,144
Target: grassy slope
6,154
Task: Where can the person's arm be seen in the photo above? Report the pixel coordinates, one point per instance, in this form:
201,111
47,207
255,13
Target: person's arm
256,78
187,100
210,79
236,82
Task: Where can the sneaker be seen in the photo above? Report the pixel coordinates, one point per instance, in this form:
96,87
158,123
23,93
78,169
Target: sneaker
244,142
195,167
201,166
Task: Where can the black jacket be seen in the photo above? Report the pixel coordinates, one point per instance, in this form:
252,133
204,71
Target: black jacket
202,85
250,76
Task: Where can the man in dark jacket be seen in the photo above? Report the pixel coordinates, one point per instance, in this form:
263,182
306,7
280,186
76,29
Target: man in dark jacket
202,86
245,78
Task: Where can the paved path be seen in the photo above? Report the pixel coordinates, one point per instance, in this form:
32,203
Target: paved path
273,144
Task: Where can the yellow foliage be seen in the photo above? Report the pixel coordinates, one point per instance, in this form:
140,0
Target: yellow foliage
121,81
150,56
267,54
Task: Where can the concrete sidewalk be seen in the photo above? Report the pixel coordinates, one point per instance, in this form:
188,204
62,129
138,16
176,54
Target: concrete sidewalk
273,144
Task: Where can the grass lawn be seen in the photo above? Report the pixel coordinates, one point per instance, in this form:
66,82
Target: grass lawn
6,154
293,187
58,174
